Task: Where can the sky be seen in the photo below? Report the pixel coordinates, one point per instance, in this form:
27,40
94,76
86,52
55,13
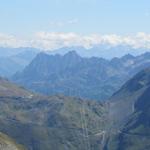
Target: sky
50,24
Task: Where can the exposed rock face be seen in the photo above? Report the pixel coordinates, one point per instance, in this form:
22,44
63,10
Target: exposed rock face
70,74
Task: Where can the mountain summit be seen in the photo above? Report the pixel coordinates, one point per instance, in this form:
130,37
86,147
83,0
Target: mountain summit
70,74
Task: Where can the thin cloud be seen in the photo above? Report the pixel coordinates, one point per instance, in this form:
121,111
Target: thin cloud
54,40
73,21
12,41
59,24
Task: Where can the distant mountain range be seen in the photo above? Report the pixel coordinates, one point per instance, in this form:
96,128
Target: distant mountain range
73,75
15,59
103,50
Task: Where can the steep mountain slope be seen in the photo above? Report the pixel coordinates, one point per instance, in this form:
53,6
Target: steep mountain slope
70,74
25,57
130,108
49,123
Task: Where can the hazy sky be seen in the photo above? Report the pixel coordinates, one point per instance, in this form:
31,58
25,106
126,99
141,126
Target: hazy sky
51,24
25,17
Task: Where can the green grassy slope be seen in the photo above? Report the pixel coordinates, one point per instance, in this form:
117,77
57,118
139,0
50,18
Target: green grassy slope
48,123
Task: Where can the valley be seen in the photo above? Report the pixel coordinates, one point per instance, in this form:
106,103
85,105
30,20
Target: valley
59,122
75,75
49,118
